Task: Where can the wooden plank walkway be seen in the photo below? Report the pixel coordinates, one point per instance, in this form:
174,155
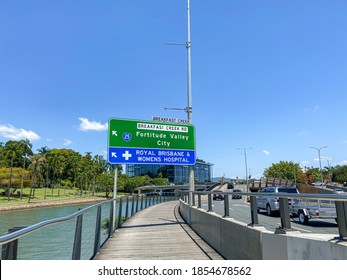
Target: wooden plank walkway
157,233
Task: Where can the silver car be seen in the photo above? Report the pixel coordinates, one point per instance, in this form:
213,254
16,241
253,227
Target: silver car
271,203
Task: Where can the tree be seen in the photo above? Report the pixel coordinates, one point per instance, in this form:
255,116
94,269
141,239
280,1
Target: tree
36,169
339,174
287,170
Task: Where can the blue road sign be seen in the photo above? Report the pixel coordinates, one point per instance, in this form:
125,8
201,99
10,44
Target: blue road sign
150,156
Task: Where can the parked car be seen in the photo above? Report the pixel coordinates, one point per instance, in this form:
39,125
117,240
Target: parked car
338,191
271,203
236,196
217,195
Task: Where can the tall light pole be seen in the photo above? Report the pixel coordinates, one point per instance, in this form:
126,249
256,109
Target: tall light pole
189,108
245,154
328,168
189,105
320,163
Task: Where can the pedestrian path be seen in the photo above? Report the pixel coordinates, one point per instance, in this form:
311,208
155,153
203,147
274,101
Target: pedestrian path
157,233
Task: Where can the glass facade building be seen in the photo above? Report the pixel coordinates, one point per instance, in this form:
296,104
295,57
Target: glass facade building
177,174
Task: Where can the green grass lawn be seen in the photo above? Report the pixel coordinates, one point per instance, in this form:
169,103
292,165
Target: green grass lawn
46,196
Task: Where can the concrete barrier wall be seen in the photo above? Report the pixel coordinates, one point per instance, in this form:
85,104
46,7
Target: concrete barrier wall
236,240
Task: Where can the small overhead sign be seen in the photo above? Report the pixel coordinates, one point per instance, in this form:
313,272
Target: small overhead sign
170,120
144,142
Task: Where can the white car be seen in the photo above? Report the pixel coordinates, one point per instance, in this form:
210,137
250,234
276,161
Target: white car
271,203
338,191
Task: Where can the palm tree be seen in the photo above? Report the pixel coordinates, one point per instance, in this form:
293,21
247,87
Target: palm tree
10,151
45,168
26,151
36,167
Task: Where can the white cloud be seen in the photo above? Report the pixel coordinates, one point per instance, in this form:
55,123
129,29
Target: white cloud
86,125
312,109
11,132
304,134
67,142
266,152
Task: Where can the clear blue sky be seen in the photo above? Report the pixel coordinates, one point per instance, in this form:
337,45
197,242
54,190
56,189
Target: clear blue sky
271,75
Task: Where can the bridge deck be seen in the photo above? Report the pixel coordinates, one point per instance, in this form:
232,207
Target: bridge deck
157,232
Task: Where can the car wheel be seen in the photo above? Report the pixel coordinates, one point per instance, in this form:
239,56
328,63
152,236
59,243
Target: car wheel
303,219
268,210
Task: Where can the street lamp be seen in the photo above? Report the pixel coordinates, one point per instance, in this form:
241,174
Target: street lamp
328,168
320,163
189,107
245,154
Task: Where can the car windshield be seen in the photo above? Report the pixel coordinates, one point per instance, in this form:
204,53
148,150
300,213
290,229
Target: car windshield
288,190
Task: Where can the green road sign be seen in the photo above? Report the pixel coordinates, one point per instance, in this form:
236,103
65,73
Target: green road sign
156,142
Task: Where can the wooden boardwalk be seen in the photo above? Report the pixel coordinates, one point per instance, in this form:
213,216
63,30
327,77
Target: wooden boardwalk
157,233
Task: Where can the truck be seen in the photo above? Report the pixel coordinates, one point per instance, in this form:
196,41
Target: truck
306,209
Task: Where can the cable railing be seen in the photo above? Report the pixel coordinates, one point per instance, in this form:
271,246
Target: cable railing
78,236
336,201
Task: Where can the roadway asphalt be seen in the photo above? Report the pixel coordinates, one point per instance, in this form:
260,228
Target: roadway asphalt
240,210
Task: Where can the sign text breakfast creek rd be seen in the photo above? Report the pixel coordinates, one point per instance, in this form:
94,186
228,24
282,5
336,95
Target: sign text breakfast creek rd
143,142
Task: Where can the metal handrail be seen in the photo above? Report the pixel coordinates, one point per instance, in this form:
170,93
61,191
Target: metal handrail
339,199
9,241
27,230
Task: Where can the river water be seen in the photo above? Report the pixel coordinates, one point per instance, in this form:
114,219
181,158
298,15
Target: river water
56,241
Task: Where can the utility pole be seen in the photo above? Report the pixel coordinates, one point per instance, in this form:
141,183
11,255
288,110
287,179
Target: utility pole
320,163
245,154
189,108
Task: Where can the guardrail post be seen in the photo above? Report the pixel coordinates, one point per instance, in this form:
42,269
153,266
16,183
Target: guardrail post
76,251
137,203
193,199
146,201
119,223
254,211
141,202
10,250
285,217
97,231
127,209
341,211
132,205
199,200
110,223
226,206
209,197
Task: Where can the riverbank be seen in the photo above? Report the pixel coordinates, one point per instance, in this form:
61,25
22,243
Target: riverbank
52,203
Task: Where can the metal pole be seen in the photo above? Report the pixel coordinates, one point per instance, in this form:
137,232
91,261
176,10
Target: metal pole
246,169
320,163
114,198
189,107
245,154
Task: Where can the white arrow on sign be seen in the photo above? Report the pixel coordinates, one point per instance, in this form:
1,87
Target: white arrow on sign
114,132
114,154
